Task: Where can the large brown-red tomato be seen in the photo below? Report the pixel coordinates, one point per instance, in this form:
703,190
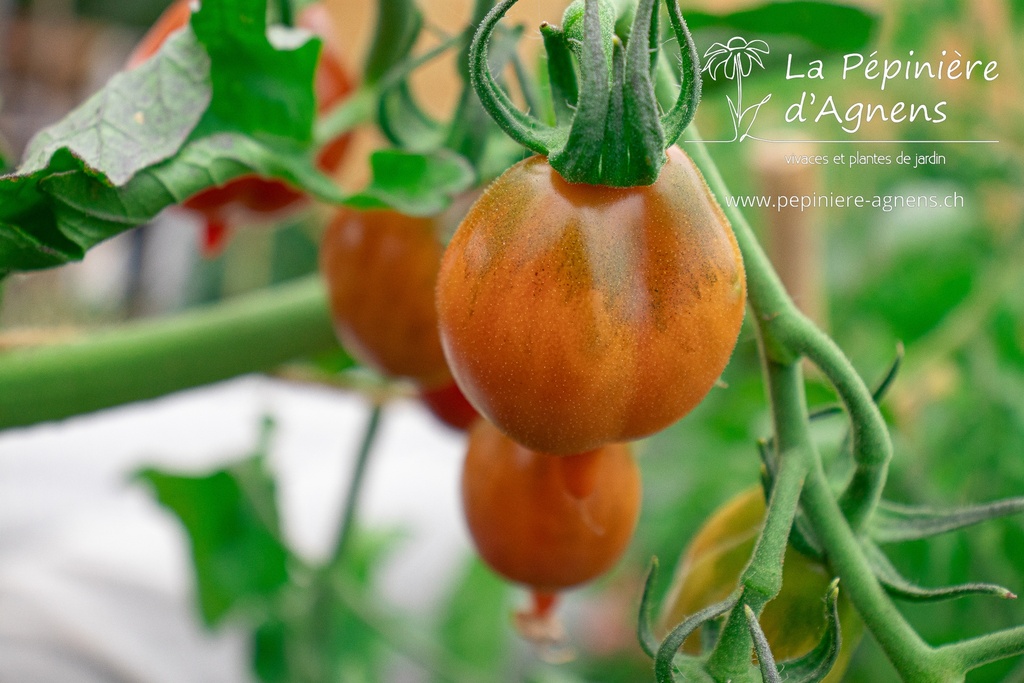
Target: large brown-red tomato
576,315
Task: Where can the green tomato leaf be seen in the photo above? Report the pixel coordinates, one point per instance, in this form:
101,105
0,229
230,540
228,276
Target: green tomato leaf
224,101
832,27
64,211
139,118
231,520
414,184
261,84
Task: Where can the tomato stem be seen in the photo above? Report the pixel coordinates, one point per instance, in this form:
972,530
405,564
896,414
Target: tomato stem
761,580
149,359
784,335
355,485
787,334
607,130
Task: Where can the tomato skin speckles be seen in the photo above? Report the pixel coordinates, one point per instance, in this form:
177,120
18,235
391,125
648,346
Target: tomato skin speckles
574,315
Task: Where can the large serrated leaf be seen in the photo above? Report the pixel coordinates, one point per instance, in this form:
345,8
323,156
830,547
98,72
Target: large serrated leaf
893,522
140,118
896,585
70,211
259,87
186,119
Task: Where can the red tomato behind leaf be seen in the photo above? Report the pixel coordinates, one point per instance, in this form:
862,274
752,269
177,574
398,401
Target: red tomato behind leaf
252,194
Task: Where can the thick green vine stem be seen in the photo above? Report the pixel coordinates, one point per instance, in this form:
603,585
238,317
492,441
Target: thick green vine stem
785,336
149,359
762,578
608,130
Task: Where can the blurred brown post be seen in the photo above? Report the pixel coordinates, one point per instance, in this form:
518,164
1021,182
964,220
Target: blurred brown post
794,236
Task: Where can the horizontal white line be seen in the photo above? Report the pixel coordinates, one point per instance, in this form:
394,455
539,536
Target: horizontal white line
866,142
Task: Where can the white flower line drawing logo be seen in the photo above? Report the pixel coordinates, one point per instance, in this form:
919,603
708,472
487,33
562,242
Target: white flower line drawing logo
736,59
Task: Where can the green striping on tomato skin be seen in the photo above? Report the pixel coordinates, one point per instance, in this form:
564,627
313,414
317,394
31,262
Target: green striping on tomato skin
794,621
576,315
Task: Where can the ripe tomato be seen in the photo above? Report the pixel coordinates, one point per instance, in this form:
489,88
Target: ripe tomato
577,315
547,521
450,407
253,194
380,267
710,569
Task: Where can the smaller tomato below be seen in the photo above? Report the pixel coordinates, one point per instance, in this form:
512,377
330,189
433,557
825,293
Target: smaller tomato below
548,522
449,405
380,267
710,568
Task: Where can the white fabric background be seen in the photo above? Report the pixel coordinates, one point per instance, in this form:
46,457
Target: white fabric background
95,578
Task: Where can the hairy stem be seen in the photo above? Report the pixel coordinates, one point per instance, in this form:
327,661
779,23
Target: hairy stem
148,359
872,446
911,656
970,654
785,334
788,333
761,581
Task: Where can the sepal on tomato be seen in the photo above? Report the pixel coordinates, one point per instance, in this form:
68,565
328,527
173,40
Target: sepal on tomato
612,133
765,659
894,522
668,650
816,664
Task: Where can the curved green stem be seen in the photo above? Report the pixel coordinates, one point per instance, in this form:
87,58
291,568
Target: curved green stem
353,111
911,656
872,446
788,333
761,581
526,130
784,336
970,654
355,486
149,359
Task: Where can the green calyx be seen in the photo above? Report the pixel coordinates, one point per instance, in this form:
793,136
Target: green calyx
607,127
